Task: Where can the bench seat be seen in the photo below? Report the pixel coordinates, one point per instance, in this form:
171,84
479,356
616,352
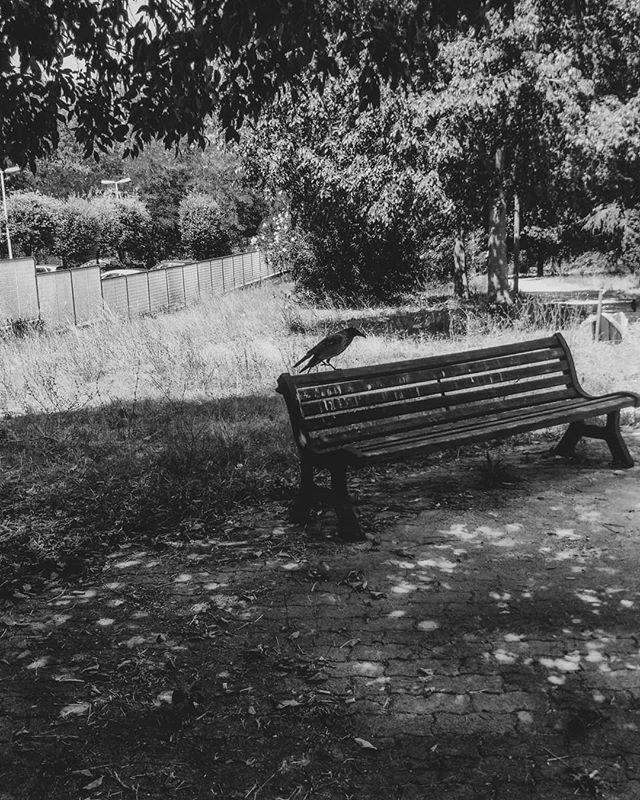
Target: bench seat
486,428
392,412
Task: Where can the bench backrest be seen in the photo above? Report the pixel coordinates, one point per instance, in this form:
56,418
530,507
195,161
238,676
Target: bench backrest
348,405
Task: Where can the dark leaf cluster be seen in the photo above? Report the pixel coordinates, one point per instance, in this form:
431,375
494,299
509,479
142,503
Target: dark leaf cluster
119,73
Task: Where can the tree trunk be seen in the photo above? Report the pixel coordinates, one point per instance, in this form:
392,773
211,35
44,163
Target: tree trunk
516,244
460,277
498,289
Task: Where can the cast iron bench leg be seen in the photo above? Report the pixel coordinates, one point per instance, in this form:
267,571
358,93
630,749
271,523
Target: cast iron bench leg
609,432
567,445
613,437
348,525
300,509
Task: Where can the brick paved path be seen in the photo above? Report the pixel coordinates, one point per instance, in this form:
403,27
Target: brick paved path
474,649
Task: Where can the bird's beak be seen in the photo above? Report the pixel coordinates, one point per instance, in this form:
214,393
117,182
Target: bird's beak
359,333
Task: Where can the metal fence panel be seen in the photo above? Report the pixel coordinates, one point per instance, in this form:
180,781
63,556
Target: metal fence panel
217,278
138,293
204,278
227,274
255,265
261,263
55,294
158,294
114,292
175,287
18,291
87,293
77,296
247,270
191,288
238,278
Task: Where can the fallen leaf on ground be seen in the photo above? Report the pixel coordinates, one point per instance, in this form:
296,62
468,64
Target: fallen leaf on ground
39,662
163,697
67,679
74,709
288,704
364,743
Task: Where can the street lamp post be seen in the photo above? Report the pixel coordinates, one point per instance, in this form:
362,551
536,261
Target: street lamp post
3,172
116,184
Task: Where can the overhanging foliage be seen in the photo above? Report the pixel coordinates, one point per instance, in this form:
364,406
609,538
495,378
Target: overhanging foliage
124,74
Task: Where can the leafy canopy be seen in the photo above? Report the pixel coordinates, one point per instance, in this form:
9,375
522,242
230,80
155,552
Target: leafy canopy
123,72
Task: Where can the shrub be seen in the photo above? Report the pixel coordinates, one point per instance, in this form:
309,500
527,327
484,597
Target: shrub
617,230
208,227
77,232
356,233
125,228
32,223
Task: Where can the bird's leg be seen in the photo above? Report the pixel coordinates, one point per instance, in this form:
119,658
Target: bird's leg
301,507
348,525
329,364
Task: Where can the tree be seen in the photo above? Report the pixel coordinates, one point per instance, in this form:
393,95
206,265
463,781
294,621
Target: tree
66,173
159,178
517,79
77,232
124,227
207,227
515,114
159,71
32,220
364,205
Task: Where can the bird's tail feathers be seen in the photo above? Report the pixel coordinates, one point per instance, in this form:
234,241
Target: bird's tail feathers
297,364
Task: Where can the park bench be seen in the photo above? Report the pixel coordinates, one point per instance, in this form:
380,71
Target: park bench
391,412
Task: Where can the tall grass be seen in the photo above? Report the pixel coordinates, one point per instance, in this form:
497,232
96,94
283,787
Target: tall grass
133,429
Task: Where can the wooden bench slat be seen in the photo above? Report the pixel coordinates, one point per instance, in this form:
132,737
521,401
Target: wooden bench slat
557,410
493,430
340,436
398,367
444,387
408,407
459,416
425,374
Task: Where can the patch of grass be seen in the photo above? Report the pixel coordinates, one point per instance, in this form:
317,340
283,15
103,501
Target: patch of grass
74,484
159,426
496,472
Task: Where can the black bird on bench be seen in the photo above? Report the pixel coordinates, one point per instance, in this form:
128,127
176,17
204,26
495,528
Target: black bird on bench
330,347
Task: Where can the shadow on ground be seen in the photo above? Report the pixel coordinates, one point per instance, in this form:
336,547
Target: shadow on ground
482,645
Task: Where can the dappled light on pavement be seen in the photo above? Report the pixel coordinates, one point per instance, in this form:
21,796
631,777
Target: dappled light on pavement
460,649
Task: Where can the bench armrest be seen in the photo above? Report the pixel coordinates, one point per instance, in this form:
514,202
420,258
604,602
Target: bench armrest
576,382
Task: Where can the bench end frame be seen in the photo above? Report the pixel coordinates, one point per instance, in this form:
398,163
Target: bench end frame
300,510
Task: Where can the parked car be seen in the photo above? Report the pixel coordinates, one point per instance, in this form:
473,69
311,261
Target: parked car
104,263
46,267
119,273
169,263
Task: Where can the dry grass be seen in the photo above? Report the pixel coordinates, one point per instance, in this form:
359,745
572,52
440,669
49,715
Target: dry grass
160,425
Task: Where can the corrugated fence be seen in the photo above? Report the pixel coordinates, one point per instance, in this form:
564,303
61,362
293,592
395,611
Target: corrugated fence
78,296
